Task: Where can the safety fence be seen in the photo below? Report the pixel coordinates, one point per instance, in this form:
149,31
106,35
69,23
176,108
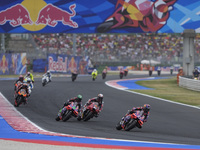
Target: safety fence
188,83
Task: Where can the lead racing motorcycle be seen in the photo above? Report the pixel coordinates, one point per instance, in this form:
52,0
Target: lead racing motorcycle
130,121
67,112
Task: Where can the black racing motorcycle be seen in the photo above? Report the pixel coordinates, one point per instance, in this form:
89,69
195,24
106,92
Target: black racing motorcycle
74,76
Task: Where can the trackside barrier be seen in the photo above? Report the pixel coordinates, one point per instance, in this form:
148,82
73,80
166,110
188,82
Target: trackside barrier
191,84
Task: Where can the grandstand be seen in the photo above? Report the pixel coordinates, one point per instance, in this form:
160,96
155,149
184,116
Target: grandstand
166,48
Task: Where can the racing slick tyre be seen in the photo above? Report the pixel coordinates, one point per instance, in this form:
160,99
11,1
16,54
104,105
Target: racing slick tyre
88,116
67,115
57,118
118,126
130,125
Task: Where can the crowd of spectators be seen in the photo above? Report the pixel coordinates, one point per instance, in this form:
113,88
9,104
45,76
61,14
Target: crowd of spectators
117,47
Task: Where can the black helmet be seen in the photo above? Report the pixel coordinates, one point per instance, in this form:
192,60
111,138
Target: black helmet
100,97
147,107
79,97
21,78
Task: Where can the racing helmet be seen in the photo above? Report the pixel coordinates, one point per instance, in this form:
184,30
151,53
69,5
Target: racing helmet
28,80
79,97
21,78
100,97
95,70
147,107
48,72
28,73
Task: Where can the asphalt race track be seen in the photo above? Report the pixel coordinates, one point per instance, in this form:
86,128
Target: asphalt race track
168,122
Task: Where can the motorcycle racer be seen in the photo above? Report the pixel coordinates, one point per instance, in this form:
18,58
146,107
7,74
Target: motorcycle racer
145,114
48,74
18,82
23,86
99,100
30,75
94,73
77,100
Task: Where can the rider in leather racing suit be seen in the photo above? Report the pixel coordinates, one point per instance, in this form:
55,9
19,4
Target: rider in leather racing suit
77,100
23,86
48,74
145,109
18,82
94,73
99,100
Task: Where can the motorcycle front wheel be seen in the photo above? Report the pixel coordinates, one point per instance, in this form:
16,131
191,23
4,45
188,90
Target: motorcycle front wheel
88,116
44,83
67,115
130,125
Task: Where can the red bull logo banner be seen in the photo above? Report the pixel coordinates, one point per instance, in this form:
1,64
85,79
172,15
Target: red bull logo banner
63,63
102,16
13,64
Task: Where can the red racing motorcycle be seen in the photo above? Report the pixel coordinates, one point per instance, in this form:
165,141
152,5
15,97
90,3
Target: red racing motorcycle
130,121
89,111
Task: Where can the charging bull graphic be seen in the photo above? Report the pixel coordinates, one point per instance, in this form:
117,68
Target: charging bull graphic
17,15
50,15
148,15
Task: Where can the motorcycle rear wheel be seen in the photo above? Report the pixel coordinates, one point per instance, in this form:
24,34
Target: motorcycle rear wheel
18,101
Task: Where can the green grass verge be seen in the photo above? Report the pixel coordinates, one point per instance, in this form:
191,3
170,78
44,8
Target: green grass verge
168,89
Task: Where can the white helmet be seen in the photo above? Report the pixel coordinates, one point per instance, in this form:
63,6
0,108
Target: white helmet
28,80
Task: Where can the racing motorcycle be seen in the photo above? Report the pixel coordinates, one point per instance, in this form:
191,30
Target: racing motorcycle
89,112
121,74
29,83
67,112
74,76
125,73
20,98
94,76
45,80
130,121
103,75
